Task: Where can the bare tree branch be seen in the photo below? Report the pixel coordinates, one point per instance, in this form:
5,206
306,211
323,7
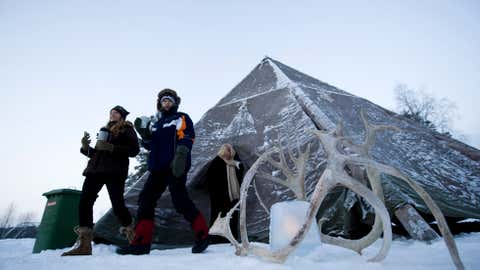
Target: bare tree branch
6,220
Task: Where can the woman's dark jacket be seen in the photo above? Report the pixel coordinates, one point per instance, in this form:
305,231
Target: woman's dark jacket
218,186
115,163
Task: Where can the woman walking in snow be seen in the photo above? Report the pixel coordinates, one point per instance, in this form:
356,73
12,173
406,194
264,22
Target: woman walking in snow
108,165
224,177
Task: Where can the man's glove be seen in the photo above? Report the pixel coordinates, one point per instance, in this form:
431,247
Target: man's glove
142,126
104,146
86,141
179,161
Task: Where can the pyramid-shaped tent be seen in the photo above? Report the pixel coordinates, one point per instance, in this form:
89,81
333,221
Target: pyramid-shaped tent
278,103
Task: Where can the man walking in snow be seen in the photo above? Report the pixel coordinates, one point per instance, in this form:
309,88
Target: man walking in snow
170,139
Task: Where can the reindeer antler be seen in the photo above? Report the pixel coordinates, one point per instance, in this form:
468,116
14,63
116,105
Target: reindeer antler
333,175
295,177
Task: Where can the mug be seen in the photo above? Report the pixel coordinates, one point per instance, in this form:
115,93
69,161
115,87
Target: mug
103,134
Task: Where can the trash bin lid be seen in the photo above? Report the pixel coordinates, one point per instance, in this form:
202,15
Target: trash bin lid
62,191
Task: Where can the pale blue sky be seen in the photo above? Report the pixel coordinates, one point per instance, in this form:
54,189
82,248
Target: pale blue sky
64,64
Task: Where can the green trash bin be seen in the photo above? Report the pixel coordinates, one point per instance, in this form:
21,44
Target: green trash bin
59,218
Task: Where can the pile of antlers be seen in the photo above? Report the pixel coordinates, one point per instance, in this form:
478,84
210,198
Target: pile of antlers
341,152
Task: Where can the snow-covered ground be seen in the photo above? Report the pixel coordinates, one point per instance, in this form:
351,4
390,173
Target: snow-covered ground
404,254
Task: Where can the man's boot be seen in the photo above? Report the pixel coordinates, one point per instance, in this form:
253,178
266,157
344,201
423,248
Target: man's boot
84,242
143,239
200,228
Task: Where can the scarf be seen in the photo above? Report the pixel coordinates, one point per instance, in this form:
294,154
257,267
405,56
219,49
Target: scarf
231,163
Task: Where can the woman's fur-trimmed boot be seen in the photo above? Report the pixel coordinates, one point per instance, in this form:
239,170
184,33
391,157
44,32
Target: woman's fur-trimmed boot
128,232
143,239
84,242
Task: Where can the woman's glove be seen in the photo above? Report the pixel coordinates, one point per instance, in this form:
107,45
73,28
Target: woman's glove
104,146
86,141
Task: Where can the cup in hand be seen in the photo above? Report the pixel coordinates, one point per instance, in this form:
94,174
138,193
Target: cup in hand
103,134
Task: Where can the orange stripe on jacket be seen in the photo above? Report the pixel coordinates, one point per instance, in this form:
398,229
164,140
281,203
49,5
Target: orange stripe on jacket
180,132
